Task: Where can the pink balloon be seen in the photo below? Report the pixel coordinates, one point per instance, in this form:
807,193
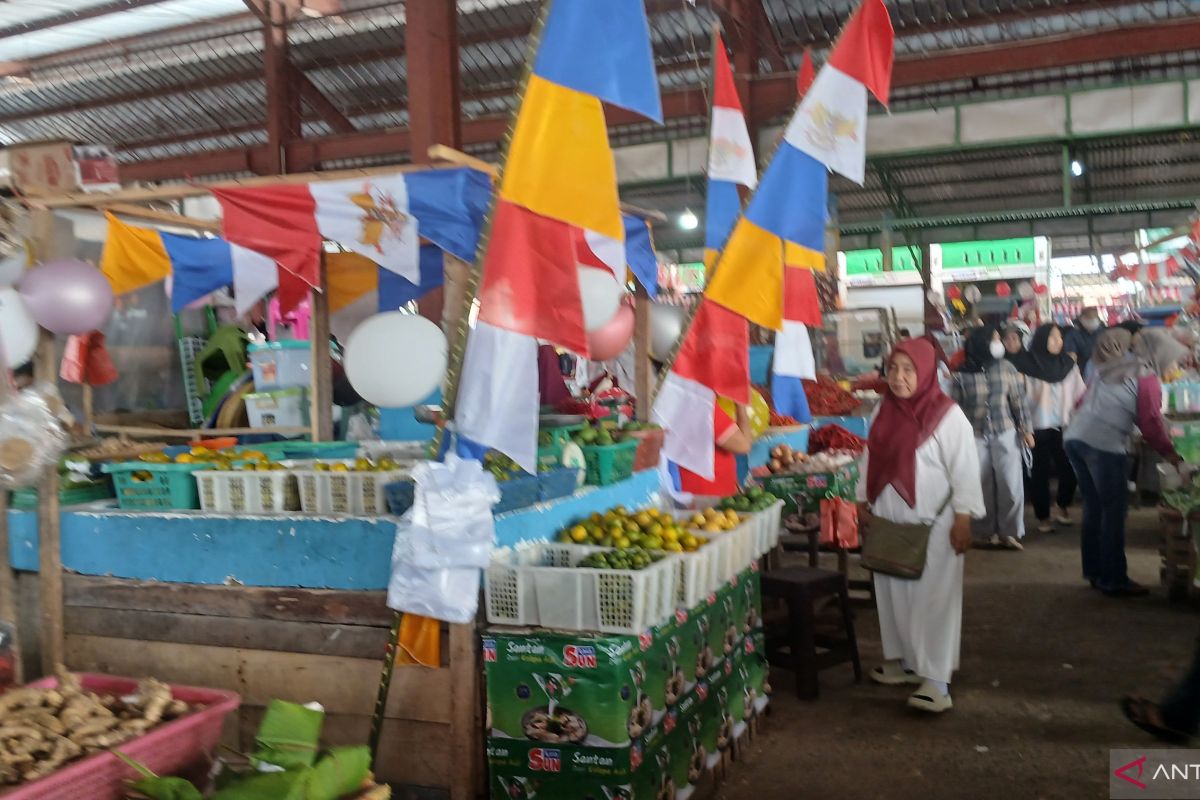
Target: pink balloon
67,296
609,341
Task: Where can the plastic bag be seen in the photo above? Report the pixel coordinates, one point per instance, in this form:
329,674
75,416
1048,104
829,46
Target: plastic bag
839,523
444,541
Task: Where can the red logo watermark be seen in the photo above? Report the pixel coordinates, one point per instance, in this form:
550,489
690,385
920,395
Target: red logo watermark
1120,772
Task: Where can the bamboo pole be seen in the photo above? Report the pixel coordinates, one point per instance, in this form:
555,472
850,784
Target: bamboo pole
321,386
199,188
165,217
449,154
457,353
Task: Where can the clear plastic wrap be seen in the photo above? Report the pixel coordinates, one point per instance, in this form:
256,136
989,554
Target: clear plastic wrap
444,541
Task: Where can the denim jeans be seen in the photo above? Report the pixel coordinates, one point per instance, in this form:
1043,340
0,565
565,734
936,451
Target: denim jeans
1104,483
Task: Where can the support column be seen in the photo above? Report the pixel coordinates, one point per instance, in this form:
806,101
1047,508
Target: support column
283,117
431,47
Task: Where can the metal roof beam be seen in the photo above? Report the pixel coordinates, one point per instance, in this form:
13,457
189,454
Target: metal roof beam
321,105
69,17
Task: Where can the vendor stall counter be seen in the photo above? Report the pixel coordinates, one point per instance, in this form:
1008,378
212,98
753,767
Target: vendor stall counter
288,606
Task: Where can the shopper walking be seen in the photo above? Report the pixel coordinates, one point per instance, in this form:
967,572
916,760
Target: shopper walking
1081,339
990,391
1126,392
920,468
1053,387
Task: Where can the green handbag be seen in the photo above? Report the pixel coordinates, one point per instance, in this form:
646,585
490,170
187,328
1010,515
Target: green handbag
897,548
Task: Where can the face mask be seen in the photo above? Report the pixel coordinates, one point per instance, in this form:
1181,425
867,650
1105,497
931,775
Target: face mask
996,349
1091,325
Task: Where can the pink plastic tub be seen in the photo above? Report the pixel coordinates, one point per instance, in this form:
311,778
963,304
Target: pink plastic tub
185,745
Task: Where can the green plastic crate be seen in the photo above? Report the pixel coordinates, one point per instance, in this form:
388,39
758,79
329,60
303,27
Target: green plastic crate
549,456
810,489
27,499
561,434
146,487
609,463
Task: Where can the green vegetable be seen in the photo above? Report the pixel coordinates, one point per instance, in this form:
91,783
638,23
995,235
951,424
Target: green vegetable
157,788
288,785
338,773
289,735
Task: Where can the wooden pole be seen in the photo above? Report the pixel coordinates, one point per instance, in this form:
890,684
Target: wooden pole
50,581
8,588
321,391
643,375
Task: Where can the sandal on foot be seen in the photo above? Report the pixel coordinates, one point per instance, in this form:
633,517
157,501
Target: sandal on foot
929,698
1148,716
1044,526
891,673
1063,518
994,540
1012,543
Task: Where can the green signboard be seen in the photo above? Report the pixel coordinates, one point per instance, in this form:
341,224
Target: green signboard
996,254
867,262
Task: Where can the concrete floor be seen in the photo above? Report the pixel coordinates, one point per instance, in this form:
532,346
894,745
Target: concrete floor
1044,661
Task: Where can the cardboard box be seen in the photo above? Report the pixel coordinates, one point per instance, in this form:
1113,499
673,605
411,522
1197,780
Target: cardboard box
578,689
39,168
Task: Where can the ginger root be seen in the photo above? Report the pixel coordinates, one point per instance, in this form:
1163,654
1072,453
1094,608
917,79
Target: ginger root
43,729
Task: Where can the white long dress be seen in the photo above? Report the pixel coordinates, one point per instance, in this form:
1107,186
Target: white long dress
920,620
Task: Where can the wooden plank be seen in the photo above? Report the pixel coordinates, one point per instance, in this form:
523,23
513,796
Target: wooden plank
465,745
342,685
321,388
207,433
165,217
410,753
240,602
351,641
8,589
29,623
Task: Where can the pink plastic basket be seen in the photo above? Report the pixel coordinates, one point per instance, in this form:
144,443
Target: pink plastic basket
185,745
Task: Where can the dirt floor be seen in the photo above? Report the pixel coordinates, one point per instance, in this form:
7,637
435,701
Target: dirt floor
1044,661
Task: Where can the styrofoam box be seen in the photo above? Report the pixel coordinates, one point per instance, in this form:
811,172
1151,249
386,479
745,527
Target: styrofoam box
540,585
257,492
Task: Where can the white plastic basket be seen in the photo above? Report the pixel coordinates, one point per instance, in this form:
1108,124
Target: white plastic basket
697,575
347,492
540,585
733,550
766,528
247,492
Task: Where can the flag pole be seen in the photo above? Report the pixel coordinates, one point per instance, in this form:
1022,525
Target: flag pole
458,350
691,315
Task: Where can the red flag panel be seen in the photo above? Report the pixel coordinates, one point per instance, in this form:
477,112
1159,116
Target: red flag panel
716,352
801,303
864,49
530,278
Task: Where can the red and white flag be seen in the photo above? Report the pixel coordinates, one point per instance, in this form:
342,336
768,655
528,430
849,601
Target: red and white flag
714,361
831,123
730,154
289,222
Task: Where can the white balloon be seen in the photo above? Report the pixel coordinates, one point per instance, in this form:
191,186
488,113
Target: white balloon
396,360
12,267
601,296
666,323
18,331
1025,290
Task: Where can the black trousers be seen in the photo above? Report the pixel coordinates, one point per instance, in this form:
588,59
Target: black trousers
1048,457
1181,708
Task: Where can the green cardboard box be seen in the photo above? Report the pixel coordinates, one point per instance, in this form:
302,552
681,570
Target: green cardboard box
747,593
756,686
676,647
683,730
575,772
579,689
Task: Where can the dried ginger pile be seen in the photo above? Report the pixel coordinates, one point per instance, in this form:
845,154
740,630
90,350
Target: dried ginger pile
43,729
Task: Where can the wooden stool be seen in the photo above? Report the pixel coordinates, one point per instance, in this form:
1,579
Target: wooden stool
795,647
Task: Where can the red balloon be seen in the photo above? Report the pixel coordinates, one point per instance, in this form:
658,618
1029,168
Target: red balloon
1040,288
1003,289
609,341
953,292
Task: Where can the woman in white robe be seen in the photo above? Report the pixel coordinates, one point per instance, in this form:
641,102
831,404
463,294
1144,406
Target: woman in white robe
921,460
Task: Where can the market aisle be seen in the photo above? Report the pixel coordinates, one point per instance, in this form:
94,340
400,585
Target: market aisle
1045,661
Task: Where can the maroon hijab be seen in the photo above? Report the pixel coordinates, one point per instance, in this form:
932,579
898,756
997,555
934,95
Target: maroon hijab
904,424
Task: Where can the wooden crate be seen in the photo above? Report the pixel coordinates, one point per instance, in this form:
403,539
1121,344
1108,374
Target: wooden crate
1178,555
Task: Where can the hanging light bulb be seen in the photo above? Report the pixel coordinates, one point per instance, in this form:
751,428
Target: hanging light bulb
1076,168
688,221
